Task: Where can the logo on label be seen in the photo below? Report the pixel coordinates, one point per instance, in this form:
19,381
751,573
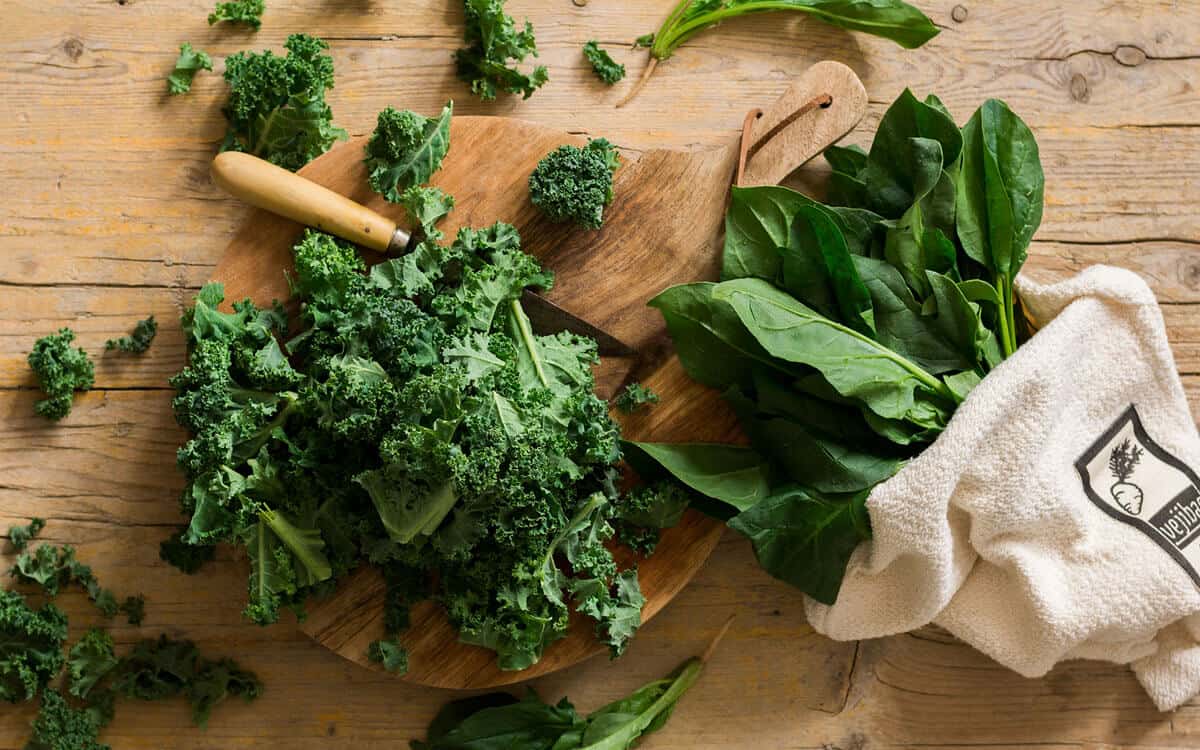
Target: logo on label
1136,481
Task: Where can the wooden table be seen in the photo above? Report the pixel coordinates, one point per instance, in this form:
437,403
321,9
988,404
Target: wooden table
109,215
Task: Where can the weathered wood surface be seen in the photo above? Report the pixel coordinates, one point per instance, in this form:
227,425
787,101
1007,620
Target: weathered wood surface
109,215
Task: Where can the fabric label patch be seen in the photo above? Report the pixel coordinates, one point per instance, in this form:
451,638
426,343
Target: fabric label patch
1136,481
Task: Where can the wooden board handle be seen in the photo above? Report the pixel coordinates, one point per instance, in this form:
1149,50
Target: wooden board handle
279,191
800,124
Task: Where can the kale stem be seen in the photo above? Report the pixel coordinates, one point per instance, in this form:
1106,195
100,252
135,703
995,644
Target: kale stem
261,143
528,341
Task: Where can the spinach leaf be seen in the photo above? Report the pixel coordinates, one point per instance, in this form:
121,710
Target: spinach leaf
806,539
1000,197
735,475
856,366
913,143
819,269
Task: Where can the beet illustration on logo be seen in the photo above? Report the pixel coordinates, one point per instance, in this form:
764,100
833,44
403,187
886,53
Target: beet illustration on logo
1121,462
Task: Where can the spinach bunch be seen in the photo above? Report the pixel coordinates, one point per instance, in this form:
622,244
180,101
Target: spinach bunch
845,335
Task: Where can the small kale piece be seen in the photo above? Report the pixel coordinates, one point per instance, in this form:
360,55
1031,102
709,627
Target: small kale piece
90,661
248,12
20,536
61,370
575,184
54,568
405,150
493,40
390,654
426,206
165,668
634,397
138,341
31,643
605,68
190,62
59,726
645,511
187,557
134,609
276,108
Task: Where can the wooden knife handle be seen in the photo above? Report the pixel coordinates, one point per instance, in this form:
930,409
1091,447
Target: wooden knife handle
796,127
279,191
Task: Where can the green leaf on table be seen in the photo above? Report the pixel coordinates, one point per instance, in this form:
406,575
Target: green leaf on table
806,539
737,476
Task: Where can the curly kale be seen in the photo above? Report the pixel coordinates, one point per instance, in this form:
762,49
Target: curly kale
190,62
575,184
188,558
634,397
493,45
61,370
405,150
138,341
645,511
419,424
248,12
60,726
276,108
20,536
390,654
90,661
605,68
31,643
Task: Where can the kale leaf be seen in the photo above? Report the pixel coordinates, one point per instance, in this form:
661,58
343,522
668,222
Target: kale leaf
53,568
138,341
248,12
634,397
390,654
276,108
31,643
605,68
187,65
61,370
60,726
20,536
575,184
405,150
493,45
188,558
89,662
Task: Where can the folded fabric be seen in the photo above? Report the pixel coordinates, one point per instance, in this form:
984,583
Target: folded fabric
1058,515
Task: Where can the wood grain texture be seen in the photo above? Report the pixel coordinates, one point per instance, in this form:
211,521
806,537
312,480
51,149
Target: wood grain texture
109,214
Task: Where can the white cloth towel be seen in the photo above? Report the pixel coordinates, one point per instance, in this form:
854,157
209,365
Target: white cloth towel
1054,517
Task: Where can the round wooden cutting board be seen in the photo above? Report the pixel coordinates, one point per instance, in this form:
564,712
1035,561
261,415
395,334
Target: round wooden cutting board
662,228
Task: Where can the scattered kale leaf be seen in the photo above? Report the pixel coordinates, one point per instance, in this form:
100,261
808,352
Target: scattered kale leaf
634,397
53,568
187,65
188,558
90,661
575,184
494,45
605,68
248,12
60,726
20,536
390,654
61,370
31,643
138,341
276,108
405,150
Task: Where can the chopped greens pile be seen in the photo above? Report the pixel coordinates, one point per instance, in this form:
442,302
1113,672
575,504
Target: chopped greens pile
187,65
891,19
276,108
605,68
575,184
494,45
405,150
93,676
413,420
61,370
846,335
138,341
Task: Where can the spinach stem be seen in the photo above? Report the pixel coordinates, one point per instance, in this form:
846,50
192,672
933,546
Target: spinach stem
1008,338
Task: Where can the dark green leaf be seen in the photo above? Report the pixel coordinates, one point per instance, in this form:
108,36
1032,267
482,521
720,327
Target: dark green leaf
734,475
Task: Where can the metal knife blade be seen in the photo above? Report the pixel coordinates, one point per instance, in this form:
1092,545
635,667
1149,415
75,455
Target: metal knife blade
547,317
